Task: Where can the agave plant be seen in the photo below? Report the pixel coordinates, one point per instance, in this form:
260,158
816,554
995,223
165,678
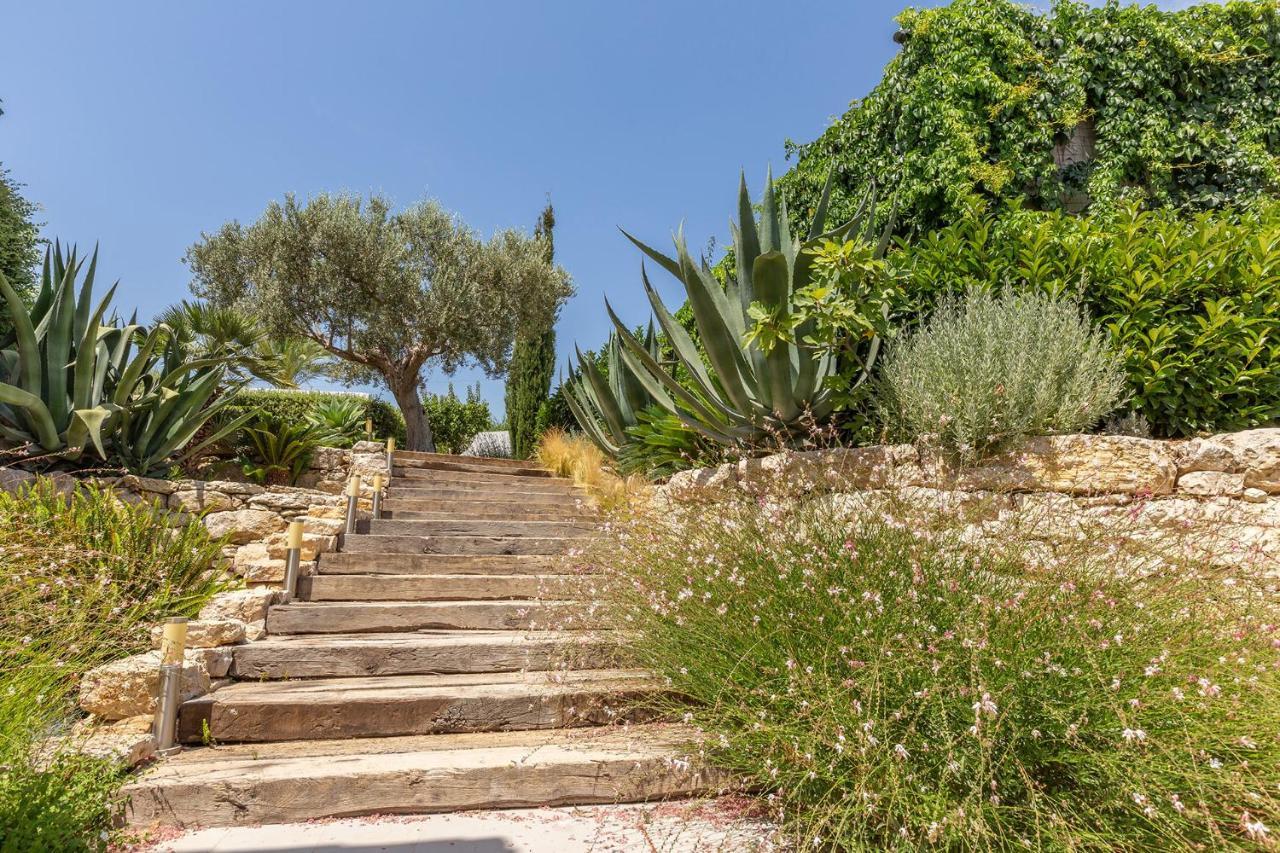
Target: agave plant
71,381
607,406
748,388
339,423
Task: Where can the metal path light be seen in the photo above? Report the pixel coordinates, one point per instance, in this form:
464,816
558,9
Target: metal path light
368,429
377,495
292,560
173,643
353,499
391,452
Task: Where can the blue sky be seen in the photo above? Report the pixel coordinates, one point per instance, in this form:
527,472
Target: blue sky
140,124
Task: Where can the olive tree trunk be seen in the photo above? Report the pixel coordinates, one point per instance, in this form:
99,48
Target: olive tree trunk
417,427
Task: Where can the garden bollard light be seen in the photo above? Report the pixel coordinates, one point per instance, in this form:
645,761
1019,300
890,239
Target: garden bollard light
353,499
368,428
391,452
377,496
173,641
292,561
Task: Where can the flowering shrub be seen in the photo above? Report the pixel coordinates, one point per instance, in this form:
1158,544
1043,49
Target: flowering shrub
886,687
82,577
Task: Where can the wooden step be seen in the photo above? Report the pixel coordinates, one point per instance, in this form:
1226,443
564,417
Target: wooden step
395,705
306,780
434,587
350,655
547,514
414,491
379,544
518,486
475,464
505,505
347,563
482,527
472,478
325,617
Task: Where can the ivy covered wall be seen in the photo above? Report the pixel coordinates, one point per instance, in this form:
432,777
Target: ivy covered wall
1183,106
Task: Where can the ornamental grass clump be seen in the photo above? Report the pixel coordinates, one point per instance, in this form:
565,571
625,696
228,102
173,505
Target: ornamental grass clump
885,686
988,369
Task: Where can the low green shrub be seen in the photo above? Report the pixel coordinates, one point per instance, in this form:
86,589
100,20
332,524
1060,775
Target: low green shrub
298,406
660,444
454,421
888,688
82,576
987,370
1192,305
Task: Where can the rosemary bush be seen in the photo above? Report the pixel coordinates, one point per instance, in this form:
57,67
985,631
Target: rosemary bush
988,369
885,688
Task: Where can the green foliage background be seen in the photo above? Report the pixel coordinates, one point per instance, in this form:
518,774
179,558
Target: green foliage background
455,421
294,406
533,362
1183,103
1191,305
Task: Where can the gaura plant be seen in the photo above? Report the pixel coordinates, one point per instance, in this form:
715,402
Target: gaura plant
767,370
71,381
607,406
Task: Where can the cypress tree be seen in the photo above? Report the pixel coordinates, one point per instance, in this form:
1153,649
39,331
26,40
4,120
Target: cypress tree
532,365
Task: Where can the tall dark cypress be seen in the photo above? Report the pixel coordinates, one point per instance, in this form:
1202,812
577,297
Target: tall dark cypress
532,364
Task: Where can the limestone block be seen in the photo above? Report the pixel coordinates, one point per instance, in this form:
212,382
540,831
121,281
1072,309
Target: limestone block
147,485
202,500
703,482
291,501
256,630
1203,454
207,633
128,741
312,544
1077,465
244,525
216,661
839,469
338,511
1254,496
1210,483
130,686
234,487
247,605
330,459
1257,454
327,527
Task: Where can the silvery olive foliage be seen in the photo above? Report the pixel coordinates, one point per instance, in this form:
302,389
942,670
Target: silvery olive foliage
387,292
988,369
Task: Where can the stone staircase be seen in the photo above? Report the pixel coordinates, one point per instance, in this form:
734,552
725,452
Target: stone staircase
421,669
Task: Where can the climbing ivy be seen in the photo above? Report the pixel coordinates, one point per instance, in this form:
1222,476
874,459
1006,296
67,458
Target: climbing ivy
1183,105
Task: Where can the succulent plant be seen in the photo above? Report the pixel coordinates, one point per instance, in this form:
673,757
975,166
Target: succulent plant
745,392
607,406
72,382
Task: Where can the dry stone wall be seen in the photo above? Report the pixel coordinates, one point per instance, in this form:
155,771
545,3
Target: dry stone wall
1216,498
254,519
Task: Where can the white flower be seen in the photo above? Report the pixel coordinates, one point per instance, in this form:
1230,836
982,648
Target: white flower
900,751
1132,735
1255,829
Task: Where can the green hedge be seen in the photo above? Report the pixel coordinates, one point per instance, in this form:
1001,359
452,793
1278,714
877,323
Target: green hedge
294,406
1192,305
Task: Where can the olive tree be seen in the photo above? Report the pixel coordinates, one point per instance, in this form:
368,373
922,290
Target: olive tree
388,293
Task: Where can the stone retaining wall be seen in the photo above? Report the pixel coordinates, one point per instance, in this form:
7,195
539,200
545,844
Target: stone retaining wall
254,519
1217,496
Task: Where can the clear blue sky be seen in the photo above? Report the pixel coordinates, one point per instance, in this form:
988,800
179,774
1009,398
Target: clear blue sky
140,124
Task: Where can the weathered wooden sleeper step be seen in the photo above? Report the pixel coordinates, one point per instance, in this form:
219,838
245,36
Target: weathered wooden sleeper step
395,544
496,478
390,706
433,587
439,652
346,562
441,462
478,527
324,617
414,491
550,513
305,780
